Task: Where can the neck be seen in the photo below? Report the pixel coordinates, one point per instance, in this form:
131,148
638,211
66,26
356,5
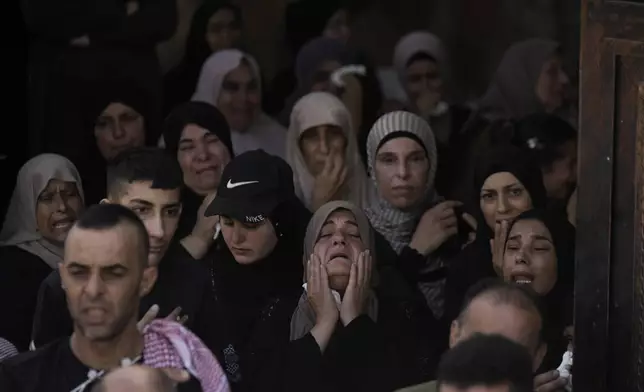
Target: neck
107,354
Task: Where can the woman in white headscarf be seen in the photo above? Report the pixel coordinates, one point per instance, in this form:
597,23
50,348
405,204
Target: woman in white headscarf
230,80
46,201
321,148
421,64
422,228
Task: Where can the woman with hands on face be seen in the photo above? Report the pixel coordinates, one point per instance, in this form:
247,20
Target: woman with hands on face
322,150
407,212
346,333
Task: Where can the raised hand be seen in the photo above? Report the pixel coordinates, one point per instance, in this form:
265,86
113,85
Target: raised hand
321,299
549,382
498,245
358,289
436,226
330,180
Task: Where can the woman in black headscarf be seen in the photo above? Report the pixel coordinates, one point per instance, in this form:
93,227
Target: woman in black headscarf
118,116
216,25
506,183
255,263
197,134
539,250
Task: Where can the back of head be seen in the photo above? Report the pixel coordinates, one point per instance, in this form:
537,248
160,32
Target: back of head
543,135
145,164
504,293
103,217
135,378
486,361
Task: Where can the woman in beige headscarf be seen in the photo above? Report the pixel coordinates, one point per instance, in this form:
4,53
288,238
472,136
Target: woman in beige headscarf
348,334
231,81
46,201
322,150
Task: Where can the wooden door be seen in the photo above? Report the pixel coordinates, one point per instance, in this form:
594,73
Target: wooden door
609,291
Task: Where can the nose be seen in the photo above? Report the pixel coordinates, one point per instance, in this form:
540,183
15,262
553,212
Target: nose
238,235
61,203
155,227
402,170
95,286
502,205
201,152
521,257
338,239
118,131
324,145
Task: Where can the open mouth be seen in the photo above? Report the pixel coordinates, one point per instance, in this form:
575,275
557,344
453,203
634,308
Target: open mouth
63,224
210,169
338,255
523,278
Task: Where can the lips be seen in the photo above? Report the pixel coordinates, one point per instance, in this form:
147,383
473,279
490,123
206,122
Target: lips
522,277
212,169
63,223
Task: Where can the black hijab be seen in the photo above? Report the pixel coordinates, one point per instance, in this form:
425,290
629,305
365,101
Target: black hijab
92,166
558,302
208,117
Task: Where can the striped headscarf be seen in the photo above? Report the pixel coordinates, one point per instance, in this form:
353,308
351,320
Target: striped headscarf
312,110
395,225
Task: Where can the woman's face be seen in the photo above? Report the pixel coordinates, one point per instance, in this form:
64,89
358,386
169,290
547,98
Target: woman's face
117,129
503,198
530,256
401,169
560,179
223,30
338,246
57,209
322,77
338,26
248,242
423,76
318,143
202,157
551,85
239,99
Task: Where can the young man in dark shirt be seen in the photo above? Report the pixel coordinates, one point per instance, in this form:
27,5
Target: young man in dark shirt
148,182
104,273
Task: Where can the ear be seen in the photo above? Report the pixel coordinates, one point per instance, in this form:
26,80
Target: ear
148,280
539,355
454,333
60,272
105,201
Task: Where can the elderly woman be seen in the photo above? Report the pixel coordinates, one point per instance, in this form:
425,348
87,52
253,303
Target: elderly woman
46,202
346,333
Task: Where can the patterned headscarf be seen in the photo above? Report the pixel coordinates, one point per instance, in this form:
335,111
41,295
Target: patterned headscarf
395,225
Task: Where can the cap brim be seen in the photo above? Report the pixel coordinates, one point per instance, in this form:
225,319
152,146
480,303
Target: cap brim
241,210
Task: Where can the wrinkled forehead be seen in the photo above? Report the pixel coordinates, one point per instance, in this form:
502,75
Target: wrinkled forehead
99,248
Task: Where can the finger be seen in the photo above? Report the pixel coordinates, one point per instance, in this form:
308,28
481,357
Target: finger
553,386
183,320
314,280
504,232
174,315
368,265
360,270
343,175
177,375
447,213
323,282
326,170
449,222
150,315
545,378
353,276
470,220
450,204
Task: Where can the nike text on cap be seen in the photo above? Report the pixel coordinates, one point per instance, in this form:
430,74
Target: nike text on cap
252,185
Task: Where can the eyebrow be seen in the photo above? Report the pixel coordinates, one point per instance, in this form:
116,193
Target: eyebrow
111,267
535,236
141,201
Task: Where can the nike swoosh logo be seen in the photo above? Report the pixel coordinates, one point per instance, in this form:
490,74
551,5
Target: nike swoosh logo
232,185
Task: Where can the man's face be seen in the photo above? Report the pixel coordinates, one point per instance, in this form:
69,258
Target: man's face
159,209
485,316
104,277
478,388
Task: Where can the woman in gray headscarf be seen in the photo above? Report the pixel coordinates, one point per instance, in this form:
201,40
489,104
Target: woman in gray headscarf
418,224
530,79
46,201
346,333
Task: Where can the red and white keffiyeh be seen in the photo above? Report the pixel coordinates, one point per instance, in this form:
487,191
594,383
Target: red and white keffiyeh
168,344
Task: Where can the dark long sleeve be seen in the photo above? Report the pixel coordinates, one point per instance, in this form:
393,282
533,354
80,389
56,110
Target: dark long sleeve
68,19
153,22
51,318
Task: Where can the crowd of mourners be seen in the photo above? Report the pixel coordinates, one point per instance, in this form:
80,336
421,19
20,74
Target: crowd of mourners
208,230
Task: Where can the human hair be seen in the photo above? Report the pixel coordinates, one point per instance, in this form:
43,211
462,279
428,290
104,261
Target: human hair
102,217
504,293
487,360
542,135
144,164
